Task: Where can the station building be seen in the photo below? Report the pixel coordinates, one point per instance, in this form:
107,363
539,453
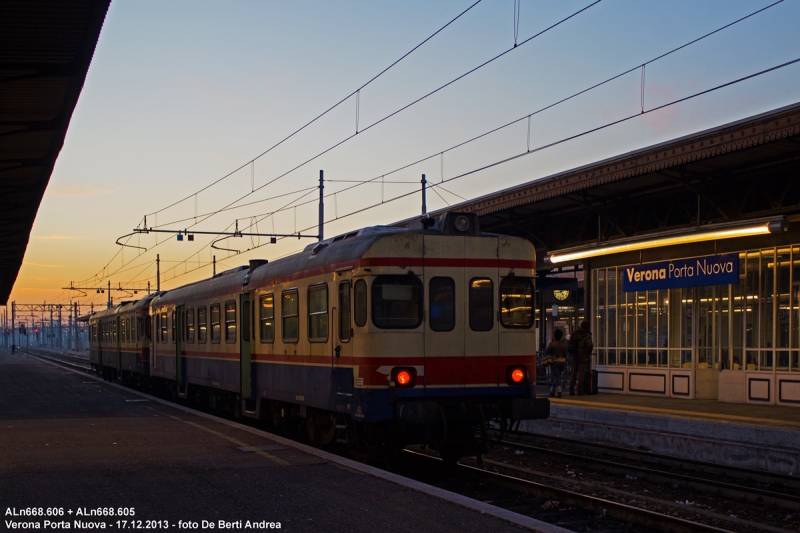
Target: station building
684,256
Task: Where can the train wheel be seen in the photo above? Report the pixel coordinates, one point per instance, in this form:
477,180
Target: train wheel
320,429
452,452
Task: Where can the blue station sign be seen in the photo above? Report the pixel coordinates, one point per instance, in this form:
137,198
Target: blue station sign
694,272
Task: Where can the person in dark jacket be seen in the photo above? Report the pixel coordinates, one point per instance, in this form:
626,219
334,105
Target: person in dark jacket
580,347
557,351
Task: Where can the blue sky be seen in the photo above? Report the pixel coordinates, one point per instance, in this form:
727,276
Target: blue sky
181,93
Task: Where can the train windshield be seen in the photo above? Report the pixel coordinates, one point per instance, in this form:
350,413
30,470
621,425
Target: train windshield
397,302
516,302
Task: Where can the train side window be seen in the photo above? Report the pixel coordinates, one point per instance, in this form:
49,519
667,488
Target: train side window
147,328
344,311
164,339
397,302
114,331
360,296
122,331
230,321
266,318
190,326
202,325
442,304
157,328
318,313
174,324
481,304
215,327
290,323
516,302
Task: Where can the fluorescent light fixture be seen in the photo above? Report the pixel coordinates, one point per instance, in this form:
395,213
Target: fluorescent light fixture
708,233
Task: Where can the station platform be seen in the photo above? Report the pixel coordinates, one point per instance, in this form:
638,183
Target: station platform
762,437
94,451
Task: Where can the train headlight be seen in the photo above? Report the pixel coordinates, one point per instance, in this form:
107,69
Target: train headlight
462,223
404,377
517,375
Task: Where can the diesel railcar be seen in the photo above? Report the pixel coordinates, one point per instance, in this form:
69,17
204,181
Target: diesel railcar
379,337
119,341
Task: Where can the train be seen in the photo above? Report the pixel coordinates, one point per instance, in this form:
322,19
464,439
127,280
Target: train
376,339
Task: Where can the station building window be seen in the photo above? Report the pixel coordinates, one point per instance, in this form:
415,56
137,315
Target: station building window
750,325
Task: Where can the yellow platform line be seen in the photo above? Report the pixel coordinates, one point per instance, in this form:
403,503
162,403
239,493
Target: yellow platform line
688,414
262,453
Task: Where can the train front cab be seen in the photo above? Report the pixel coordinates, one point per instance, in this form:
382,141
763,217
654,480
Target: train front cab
449,339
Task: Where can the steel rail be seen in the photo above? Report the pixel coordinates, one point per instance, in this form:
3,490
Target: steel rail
615,510
785,501
693,465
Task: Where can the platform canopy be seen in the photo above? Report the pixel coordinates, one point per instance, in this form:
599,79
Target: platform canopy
46,47
735,172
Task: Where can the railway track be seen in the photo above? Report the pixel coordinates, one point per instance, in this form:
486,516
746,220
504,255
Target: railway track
787,499
747,475
569,508
547,496
60,358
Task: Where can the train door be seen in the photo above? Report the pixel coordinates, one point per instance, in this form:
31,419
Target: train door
344,323
178,316
118,344
480,306
444,279
245,349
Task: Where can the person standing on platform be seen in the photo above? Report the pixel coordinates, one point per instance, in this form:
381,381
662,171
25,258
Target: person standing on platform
557,351
580,347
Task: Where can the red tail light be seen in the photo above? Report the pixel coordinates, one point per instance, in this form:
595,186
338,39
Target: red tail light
517,375
404,377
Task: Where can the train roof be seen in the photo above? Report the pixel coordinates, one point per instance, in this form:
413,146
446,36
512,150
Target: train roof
339,250
125,306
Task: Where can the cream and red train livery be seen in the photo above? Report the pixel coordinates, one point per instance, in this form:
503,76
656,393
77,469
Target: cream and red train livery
422,333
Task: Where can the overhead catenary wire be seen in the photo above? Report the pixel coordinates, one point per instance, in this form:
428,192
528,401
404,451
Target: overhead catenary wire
230,205
331,108
542,109
407,106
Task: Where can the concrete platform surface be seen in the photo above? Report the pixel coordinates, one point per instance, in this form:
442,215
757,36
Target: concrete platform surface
74,444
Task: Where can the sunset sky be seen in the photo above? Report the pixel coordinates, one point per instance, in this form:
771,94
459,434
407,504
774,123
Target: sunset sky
180,94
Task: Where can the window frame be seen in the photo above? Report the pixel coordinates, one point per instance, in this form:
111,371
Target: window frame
218,328
202,333
284,316
230,330
360,311
262,320
190,328
431,294
318,287
512,279
420,300
472,317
